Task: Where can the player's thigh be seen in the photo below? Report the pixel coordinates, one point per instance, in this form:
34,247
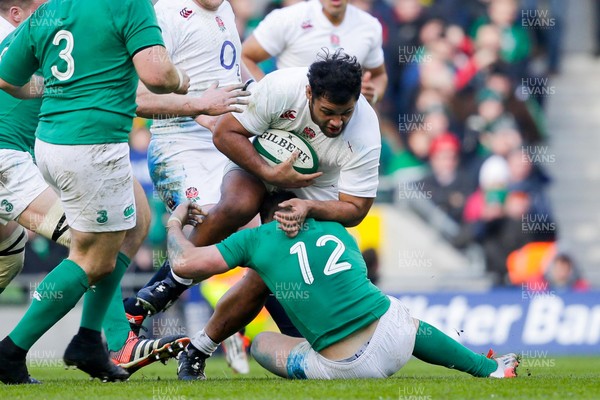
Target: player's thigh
241,197
392,343
185,169
20,184
241,191
94,182
272,350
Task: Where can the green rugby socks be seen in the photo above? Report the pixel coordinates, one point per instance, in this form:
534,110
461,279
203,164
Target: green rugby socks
54,297
115,324
96,302
435,347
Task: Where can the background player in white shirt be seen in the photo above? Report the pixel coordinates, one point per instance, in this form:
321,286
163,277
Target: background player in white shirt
295,35
13,12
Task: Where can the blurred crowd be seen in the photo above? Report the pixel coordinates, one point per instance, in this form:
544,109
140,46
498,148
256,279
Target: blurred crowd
462,117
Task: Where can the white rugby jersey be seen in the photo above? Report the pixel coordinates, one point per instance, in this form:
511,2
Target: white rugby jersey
295,35
5,28
349,162
203,43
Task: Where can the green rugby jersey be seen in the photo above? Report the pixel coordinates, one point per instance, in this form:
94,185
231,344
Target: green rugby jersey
319,277
18,118
84,49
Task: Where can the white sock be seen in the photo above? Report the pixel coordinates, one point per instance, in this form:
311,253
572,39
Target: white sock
202,342
183,281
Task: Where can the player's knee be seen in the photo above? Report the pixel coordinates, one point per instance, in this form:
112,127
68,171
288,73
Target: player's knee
12,256
263,352
99,270
257,349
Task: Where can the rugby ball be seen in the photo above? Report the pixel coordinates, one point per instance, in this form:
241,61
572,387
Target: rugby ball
276,146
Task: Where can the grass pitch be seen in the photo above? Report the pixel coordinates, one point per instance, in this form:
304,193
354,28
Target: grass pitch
548,378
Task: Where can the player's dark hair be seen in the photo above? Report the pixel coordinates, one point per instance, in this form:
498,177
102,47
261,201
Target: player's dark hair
5,5
271,204
336,77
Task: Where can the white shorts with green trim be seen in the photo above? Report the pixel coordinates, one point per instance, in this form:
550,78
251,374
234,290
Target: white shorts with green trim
95,184
388,350
20,183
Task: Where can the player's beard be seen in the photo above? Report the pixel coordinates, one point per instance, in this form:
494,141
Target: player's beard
323,124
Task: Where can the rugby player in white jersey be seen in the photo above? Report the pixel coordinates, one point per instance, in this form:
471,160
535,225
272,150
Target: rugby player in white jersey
295,35
201,38
322,104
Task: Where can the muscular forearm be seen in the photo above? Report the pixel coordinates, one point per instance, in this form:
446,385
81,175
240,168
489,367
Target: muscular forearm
253,68
239,149
177,247
163,106
380,82
247,74
31,90
347,214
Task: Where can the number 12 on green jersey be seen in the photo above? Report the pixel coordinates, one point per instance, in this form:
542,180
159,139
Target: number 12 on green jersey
331,267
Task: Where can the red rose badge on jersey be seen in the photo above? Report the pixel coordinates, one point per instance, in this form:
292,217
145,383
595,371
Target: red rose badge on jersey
220,23
308,133
191,193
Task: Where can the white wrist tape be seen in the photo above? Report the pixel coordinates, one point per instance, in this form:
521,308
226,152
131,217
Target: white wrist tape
180,75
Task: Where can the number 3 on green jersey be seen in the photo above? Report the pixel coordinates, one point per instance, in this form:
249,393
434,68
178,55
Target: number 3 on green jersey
65,55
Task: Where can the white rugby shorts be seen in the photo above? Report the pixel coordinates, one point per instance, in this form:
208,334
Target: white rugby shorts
388,350
20,183
186,168
94,182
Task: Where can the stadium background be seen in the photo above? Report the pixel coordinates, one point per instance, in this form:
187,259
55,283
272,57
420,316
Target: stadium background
472,256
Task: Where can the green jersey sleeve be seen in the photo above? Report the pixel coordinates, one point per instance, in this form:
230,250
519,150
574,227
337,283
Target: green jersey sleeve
140,27
237,249
18,63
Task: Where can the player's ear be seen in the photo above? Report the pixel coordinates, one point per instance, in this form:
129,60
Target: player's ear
308,92
16,14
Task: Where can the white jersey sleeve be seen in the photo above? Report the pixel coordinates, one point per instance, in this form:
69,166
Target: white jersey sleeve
359,175
275,93
375,57
272,33
256,117
5,28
